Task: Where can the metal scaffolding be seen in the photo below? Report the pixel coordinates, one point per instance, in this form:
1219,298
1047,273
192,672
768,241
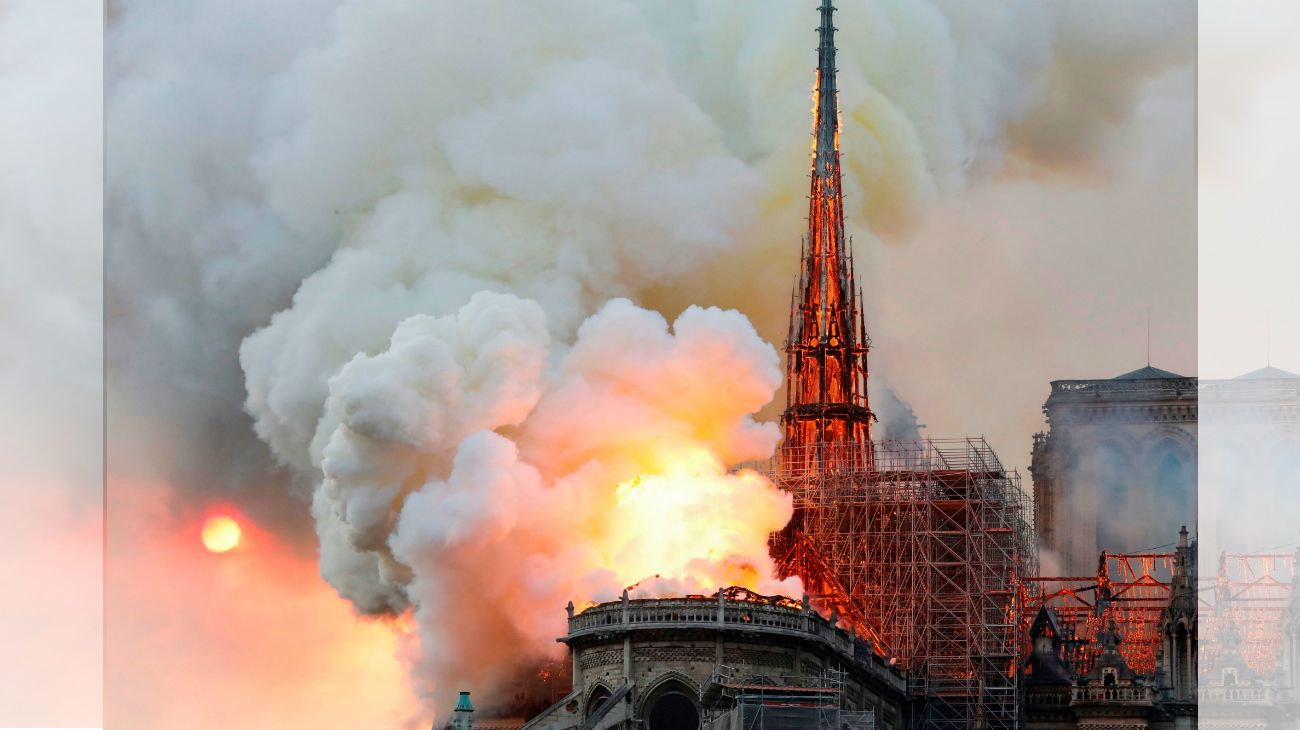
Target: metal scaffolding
923,555
781,703
1249,600
1134,589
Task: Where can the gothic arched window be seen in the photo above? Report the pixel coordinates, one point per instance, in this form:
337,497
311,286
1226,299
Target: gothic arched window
1114,497
1173,481
1285,462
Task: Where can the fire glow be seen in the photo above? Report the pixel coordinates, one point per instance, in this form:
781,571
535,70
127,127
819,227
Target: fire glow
682,519
221,534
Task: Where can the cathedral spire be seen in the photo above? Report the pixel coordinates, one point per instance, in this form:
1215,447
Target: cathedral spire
826,353
826,119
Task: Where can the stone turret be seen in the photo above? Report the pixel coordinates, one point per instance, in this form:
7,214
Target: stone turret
1178,625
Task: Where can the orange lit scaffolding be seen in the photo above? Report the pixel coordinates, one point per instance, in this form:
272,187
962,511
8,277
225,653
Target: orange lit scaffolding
922,555
1249,599
1132,588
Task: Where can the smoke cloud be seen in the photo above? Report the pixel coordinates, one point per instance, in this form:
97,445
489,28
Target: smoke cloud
427,254
487,474
51,367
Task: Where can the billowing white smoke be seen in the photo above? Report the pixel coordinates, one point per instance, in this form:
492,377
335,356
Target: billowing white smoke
471,406
594,179
487,474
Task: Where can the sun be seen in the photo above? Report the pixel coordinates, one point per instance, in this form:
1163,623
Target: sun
221,534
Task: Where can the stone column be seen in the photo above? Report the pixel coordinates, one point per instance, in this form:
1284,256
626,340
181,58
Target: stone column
627,657
1172,654
718,654
627,639
573,652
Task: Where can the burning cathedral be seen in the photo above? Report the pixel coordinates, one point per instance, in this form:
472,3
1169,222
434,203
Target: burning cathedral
923,605
909,551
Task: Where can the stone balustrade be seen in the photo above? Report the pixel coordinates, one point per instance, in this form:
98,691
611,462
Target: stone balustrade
1113,694
643,613
742,611
1235,694
1124,386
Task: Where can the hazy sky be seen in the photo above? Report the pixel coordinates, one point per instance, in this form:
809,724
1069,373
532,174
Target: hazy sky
1248,293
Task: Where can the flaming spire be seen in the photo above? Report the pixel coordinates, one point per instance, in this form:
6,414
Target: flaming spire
826,350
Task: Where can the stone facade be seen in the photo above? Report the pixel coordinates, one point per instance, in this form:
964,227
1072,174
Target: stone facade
1249,462
688,662
1235,698
1116,465
1120,460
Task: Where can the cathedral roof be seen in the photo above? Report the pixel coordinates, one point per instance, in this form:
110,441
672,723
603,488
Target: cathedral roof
1044,665
1045,623
1148,373
1268,373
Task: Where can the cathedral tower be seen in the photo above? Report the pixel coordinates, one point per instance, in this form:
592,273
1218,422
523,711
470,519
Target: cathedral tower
826,349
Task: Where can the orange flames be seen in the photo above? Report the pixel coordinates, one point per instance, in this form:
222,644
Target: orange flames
685,525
